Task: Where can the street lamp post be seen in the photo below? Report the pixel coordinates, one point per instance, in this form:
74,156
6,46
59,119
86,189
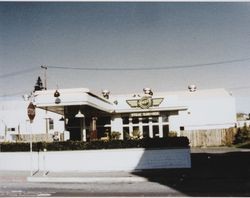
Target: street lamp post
31,111
45,87
82,125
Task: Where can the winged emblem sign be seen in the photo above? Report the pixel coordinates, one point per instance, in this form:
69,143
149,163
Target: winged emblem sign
144,102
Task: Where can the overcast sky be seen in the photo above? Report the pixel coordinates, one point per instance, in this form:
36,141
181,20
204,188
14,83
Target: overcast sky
207,44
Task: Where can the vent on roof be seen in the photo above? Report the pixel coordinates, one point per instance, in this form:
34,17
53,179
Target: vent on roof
192,88
148,91
105,93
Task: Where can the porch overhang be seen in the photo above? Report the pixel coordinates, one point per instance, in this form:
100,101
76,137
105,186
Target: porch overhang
71,97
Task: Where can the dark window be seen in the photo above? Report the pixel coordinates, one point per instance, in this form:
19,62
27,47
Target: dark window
182,128
155,119
145,131
135,120
165,119
126,133
156,131
125,120
145,120
165,130
51,124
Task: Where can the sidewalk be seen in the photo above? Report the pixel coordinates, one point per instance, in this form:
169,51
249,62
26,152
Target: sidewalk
217,150
85,177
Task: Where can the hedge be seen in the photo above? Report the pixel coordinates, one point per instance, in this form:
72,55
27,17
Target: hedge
245,145
170,142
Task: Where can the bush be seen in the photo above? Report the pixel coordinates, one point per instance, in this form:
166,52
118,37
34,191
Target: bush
115,135
245,145
136,134
242,135
169,142
172,134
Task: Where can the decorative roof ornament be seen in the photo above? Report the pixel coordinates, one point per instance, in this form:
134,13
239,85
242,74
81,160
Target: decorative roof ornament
192,88
148,91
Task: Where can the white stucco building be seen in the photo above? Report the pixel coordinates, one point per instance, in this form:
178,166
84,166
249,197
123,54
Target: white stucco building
15,124
89,115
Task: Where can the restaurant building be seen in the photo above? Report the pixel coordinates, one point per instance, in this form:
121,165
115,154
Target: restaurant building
89,116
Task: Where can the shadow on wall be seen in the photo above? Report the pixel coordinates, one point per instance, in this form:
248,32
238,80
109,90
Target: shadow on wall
164,158
226,174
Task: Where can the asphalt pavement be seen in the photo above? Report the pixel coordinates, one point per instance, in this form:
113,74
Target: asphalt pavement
217,171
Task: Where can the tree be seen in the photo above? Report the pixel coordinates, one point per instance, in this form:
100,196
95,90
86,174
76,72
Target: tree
38,85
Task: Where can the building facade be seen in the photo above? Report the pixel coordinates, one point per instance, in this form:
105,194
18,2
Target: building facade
89,116
15,124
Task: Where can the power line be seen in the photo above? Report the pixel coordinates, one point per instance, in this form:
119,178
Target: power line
126,68
15,94
149,68
15,73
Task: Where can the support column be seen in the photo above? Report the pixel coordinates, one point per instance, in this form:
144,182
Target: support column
151,135
84,135
160,127
140,127
130,127
93,132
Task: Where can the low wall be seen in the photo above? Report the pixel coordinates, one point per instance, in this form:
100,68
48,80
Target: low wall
97,160
210,137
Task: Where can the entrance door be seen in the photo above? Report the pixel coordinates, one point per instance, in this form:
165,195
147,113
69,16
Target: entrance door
75,133
145,131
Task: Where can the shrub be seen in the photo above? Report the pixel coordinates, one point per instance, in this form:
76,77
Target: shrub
169,142
242,135
115,135
136,134
245,145
172,134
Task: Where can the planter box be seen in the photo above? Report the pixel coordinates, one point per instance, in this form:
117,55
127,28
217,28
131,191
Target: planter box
98,160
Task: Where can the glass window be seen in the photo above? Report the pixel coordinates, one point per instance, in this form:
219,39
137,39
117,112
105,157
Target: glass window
51,124
165,130
164,118
135,120
145,120
126,133
155,119
145,131
125,120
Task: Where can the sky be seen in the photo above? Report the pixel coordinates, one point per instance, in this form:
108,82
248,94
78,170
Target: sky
126,46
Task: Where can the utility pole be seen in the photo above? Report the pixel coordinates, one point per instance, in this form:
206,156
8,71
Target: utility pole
45,87
45,75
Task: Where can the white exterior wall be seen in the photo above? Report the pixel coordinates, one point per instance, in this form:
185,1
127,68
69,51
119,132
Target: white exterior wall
13,114
201,109
98,160
210,113
174,123
116,125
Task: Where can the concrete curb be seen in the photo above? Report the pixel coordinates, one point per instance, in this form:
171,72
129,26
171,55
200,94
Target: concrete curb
86,179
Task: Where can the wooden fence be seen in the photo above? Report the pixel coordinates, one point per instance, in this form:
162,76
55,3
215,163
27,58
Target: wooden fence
211,137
